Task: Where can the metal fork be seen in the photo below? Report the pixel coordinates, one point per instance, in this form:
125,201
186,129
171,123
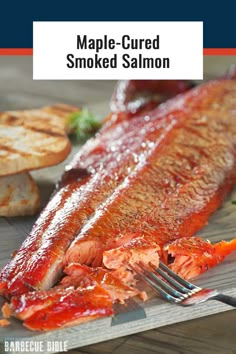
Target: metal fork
175,289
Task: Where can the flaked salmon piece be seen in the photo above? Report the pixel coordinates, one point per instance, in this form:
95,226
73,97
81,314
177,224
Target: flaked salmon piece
137,250
193,256
161,173
92,251
83,276
126,275
59,308
122,260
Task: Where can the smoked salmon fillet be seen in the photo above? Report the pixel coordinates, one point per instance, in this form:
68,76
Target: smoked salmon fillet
163,173
98,169
139,185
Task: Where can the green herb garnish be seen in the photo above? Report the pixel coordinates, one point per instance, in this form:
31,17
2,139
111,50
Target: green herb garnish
84,124
233,201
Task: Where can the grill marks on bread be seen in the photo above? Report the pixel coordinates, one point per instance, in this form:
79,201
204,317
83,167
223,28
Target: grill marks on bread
29,139
33,139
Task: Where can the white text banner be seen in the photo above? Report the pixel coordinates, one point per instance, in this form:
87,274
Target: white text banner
117,50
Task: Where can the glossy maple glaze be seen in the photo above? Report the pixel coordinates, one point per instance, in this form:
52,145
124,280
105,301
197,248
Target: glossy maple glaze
72,308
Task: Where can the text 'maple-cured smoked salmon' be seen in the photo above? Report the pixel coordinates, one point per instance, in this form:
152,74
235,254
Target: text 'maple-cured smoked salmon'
148,181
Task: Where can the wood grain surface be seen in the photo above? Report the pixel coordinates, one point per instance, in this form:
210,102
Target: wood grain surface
212,334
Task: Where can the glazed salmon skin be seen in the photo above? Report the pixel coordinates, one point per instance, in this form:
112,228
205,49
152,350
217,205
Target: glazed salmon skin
162,173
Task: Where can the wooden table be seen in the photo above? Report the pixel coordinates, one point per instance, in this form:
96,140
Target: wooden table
215,334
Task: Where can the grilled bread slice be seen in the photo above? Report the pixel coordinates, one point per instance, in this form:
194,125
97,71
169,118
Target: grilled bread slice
62,112
19,195
33,139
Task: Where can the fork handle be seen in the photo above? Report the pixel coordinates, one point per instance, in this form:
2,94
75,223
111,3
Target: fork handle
229,300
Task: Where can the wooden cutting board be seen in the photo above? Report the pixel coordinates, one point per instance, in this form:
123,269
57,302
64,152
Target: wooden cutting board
135,316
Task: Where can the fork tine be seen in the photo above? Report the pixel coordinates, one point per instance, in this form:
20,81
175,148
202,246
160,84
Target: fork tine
157,288
176,277
172,281
192,295
165,286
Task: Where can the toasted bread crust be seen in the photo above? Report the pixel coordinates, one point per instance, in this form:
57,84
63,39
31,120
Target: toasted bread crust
34,139
19,195
63,112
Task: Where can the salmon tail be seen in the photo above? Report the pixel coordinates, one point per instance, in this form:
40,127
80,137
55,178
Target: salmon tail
132,97
224,248
192,256
230,73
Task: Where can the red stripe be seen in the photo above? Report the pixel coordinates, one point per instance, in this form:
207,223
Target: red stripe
219,51
16,51
29,51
